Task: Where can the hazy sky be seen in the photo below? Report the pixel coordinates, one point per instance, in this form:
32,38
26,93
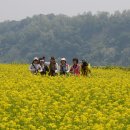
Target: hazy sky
19,9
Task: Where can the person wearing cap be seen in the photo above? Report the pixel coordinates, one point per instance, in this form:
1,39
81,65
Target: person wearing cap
35,66
64,67
44,66
53,67
75,69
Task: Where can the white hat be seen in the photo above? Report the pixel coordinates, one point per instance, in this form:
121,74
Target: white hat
63,59
42,60
35,58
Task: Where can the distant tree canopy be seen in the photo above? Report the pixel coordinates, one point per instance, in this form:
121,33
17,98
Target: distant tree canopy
102,39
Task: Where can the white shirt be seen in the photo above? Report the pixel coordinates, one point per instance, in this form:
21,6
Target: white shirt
35,67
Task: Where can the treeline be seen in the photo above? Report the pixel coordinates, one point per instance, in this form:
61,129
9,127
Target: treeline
102,38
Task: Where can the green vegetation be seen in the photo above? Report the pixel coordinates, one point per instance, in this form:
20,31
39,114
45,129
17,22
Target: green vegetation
103,39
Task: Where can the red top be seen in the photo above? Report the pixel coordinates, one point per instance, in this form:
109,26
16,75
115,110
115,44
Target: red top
75,69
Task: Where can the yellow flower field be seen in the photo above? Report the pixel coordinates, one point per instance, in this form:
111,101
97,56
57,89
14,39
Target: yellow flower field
34,102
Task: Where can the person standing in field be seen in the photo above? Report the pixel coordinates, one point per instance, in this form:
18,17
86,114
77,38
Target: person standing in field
44,66
35,66
85,68
75,69
53,67
64,67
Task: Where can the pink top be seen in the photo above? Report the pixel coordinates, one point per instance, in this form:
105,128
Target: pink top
75,69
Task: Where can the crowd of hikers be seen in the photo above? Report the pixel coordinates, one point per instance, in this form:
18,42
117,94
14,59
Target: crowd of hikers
39,65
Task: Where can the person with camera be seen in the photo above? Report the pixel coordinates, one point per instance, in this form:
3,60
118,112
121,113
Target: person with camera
35,66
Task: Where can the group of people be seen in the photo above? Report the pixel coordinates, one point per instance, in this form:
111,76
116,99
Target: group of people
39,65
